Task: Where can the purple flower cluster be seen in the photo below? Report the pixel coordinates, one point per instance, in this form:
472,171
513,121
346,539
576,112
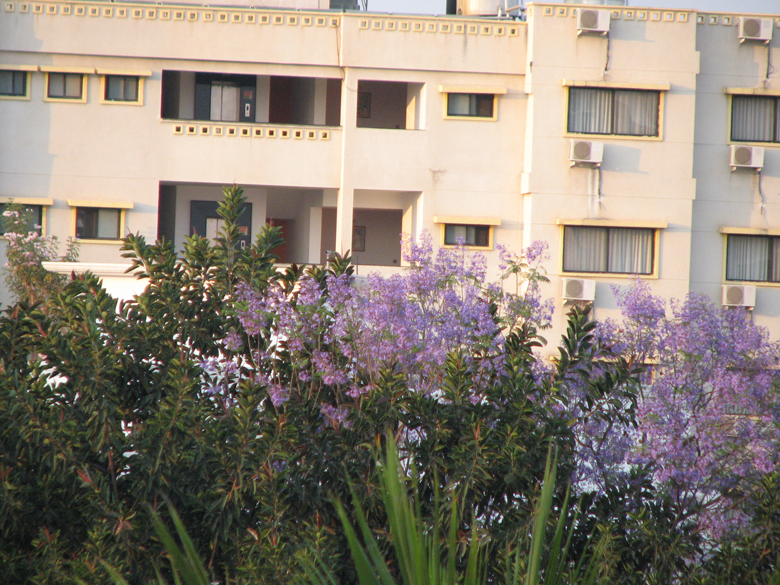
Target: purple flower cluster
335,340
708,416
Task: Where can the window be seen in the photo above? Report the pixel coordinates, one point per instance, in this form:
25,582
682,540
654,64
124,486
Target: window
469,235
13,83
121,88
99,220
755,118
471,102
753,258
66,86
611,250
95,223
471,105
621,112
36,215
475,232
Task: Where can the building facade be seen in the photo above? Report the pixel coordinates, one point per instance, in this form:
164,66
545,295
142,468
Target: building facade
634,141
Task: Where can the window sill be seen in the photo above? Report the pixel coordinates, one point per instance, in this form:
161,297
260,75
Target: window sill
467,247
121,103
97,241
756,283
577,136
764,144
473,118
25,98
566,274
65,100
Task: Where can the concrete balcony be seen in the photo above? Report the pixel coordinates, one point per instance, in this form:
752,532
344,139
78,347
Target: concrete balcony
215,152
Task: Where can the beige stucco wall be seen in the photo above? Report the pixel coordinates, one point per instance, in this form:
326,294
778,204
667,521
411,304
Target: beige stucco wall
726,198
640,179
324,178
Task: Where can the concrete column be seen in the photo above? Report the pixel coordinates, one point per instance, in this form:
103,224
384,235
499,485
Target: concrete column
415,106
187,95
315,235
412,222
344,213
263,99
320,100
258,197
346,195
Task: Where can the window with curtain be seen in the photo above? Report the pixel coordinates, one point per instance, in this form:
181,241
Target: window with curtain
468,235
753,258
755,118
623,112
471,105
121,88
13,83
96,223
66,86
608,250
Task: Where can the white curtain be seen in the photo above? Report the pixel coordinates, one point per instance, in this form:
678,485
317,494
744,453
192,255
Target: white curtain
459,104
608,250
753,118
607,111
747,258
108,224
584,249
630,251
590,110
774,275
636,113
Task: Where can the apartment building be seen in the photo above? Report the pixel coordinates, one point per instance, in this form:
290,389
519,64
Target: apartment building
634,141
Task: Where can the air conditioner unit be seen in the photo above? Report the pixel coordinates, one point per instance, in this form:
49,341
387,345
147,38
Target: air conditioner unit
592,21
586,152
755,29
578,289
751,157
738,295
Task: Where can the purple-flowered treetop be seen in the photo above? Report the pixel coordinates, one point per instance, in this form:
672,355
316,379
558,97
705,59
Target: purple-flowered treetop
342,335
708,414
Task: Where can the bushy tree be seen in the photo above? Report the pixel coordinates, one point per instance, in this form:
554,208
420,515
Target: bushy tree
246,396
250,397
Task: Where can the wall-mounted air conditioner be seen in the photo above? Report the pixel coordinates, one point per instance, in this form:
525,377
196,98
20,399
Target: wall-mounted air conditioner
739,295
755,29
750,157
578,289
592,21
586,152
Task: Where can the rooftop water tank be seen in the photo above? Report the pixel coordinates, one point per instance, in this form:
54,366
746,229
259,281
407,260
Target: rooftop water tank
482,7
